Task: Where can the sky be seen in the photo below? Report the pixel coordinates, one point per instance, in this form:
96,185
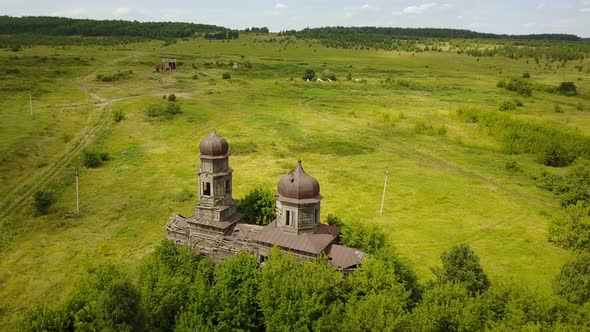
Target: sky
510,17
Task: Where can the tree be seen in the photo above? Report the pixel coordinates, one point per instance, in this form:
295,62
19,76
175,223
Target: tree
460,265
573,282
258,206
43,200
234,293
309,75
566,89
576,183
570,228
226,76
294,295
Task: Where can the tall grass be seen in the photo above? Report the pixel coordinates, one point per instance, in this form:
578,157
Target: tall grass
553,146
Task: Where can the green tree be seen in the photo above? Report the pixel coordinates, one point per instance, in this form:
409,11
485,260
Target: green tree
258,206
294,295
309,74
165,279
573,281
43,199
234,293
567,89
460,265
570,228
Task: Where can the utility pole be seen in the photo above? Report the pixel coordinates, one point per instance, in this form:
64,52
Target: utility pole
77,193
384,188
86,93
31,103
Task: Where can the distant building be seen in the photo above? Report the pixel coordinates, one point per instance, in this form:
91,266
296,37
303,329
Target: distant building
216,231
169,64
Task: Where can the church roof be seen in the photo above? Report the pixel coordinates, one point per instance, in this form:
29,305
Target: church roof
298,185
214,146
345,257
312,243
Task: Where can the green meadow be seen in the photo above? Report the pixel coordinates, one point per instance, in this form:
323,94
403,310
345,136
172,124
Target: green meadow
449,182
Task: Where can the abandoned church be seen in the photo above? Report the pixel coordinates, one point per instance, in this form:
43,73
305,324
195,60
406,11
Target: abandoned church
216,231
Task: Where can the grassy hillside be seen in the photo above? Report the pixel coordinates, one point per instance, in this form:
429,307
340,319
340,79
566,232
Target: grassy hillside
449,182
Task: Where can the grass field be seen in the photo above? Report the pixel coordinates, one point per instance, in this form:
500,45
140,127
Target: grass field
448,182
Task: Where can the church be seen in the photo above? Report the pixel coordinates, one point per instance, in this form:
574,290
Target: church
216,231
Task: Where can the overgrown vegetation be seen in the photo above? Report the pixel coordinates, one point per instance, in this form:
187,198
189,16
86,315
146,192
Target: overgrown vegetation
177,290
553,146
43,199
165,110
517,85
93,158
258,206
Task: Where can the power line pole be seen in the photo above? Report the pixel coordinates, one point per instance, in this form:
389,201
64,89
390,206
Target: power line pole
77,193
31,103
384,188
86,93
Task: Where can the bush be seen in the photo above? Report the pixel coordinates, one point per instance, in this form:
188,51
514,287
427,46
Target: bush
554,155
226,76
566,89
460,265
309,75
526,75
258,206
557,109
512,166
573,282
349,76
118,116
575,185
327,74
172,98
195,76
164,110
570,228
93,159
517,85
508,105
43,200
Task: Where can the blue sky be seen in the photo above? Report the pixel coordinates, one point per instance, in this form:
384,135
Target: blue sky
514,17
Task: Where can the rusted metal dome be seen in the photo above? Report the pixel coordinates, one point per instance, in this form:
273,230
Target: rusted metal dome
214,146
299,185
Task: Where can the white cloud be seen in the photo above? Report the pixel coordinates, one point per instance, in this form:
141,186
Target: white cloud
420,9
280,6
121,11
540,6
73,12
459,17
585,10
529,25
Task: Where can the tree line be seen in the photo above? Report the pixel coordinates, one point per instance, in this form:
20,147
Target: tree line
61,26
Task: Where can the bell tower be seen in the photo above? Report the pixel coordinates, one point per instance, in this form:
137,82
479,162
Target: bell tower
215,181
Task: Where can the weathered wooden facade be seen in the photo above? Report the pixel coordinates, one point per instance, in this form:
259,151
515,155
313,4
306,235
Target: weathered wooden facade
215,229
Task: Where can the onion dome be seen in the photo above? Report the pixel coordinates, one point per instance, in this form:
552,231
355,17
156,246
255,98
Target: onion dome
213,146
298,185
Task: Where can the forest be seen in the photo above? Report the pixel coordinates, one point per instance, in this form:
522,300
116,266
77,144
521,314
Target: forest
61,26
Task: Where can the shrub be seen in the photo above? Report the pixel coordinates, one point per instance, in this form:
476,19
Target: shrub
526,75
349,76
580,107
164,110
573,282
460,265
258,206
554,155
508,105
226,76
566,89
118,116
517,85
557,109
43,200
512,166
309,75
172,97
570,228
195,76
92,158
327,74
575,185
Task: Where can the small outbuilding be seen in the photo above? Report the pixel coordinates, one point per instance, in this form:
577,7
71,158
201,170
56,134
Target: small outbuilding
169,64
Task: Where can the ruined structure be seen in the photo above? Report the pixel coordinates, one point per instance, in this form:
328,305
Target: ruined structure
169,64
215,229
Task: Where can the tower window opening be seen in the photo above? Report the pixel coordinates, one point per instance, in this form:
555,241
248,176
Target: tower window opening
316,216
227,186
287,218
206,188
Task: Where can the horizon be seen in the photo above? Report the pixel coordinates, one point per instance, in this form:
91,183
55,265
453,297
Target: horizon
524,18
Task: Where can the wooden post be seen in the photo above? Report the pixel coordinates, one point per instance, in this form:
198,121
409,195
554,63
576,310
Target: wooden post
86,93
77,193
384,188
31,103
